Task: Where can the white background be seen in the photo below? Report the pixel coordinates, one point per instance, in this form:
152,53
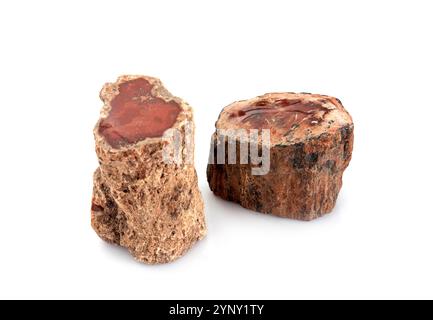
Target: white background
376,56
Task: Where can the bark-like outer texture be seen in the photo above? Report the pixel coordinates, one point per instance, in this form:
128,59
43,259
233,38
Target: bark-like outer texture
306,167
153,209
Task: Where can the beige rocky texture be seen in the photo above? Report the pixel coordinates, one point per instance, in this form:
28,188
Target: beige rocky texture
140,202
311,146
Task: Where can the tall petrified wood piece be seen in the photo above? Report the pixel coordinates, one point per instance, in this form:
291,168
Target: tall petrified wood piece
140,201
311,140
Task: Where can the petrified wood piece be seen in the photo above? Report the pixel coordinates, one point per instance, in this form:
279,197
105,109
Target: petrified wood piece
141,201
311,140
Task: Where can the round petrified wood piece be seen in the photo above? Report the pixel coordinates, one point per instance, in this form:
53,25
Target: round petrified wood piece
311,140
140,201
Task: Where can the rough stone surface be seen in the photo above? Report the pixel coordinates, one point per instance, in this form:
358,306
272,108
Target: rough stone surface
311,146
152,208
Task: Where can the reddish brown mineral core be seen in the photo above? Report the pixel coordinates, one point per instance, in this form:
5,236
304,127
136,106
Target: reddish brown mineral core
136,114
280,113
277,112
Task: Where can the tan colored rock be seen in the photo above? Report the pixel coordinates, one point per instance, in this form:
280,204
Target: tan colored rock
311,141
140,201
